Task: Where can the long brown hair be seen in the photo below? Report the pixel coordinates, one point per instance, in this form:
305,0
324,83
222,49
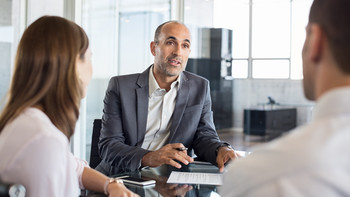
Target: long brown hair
45,72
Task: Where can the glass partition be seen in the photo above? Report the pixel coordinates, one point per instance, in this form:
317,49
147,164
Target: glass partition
6,39
119,33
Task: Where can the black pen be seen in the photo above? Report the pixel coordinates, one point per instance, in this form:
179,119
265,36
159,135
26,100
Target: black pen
181,149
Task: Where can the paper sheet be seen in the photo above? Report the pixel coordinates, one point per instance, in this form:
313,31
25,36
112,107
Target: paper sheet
195,178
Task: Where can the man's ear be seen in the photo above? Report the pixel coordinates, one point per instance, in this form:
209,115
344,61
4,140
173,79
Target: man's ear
316,42
153,48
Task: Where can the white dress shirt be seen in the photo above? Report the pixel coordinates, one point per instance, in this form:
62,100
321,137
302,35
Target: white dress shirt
34,153
313,160
161,105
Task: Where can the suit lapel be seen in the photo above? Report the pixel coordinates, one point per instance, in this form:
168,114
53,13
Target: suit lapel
142,106
180,106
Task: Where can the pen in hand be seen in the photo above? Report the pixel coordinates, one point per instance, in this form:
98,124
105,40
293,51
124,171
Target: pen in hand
181,149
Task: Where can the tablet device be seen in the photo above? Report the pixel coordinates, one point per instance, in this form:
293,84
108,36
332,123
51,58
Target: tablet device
136,181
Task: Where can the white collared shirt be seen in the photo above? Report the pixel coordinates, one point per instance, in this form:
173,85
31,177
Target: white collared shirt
161,105
312,160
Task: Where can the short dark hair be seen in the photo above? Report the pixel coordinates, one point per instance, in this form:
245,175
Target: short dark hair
334,18
159,29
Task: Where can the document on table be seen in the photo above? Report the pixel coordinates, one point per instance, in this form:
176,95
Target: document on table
195,178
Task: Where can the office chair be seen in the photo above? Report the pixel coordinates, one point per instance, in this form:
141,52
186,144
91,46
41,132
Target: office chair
11,190
95,158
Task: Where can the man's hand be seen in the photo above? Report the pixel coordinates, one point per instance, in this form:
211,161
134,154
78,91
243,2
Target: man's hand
225,154
166,155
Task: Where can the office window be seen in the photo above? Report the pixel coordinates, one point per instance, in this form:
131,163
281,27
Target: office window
272,69
241,68
267,34
271,29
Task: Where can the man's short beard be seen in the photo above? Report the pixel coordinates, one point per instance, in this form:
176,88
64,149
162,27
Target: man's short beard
170,74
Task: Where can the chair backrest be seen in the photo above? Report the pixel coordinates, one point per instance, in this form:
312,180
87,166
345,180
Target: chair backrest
95,158
12,190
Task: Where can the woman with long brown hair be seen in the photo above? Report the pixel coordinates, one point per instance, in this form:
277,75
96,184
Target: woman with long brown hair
51,74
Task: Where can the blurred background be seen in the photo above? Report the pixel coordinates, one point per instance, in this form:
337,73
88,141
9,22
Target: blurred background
249,50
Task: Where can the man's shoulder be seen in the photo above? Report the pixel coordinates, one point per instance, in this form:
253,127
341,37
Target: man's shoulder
191,76
126,77
129,80
133,78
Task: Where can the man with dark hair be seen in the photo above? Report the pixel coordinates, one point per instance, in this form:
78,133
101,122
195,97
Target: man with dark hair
159,116
312,160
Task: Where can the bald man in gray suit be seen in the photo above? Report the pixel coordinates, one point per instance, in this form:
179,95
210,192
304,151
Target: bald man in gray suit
159,116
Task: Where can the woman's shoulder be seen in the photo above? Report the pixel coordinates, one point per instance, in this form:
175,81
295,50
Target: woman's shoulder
36,151
31,129
34,122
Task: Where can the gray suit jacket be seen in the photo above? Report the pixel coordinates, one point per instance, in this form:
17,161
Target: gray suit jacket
125,118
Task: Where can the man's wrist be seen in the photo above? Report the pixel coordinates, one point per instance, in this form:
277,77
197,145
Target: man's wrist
225,144
143,162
